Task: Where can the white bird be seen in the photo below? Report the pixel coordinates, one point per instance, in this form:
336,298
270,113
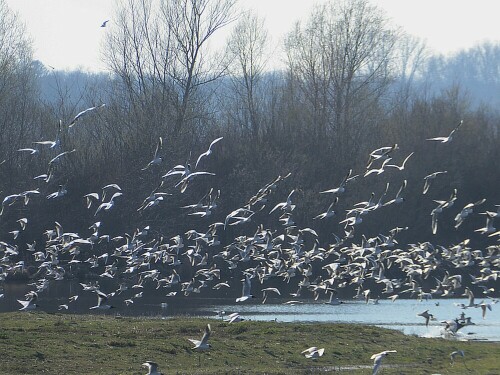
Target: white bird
448,138
30,150
455,353
429,178
102,298
378,359
234,318
329,211
30,303
106,206
208,152
484,306
83,113
156,158
245,294
55,143
266,291
203,343
402,165
377,170
152,368
313,352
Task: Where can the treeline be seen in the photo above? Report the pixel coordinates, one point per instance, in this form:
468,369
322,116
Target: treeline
351,83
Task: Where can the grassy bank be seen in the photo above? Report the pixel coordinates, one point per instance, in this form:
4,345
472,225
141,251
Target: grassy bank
40,343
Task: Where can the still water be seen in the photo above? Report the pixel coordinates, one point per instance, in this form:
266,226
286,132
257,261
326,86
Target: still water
400,315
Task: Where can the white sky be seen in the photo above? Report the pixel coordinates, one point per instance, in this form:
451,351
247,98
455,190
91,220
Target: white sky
67,33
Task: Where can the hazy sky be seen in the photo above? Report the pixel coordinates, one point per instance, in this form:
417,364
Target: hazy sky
67,33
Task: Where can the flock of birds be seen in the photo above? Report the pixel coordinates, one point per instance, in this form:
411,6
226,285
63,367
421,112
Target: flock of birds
285,253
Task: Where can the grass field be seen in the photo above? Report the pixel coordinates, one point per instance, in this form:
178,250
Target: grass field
40,343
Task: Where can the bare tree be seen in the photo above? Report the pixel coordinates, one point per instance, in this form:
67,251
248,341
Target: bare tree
340,62
17,82
160,52
247,53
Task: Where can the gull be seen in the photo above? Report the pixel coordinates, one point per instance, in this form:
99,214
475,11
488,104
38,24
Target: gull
245,293
452,326
183,170
22,222
234,318
208,152
59,193
184,182
426,316
341,188
429,178
56,158
313,352
402,165
30,150
484,306
55,143
466,211
398,199
378,359
151,366
102,298
89,197
377,170
329,211
286,206
455,353
30,303
381,153
104,23
108,187
488,228
83,113
106,206
203,343
449,137
334,301
265,293
156,159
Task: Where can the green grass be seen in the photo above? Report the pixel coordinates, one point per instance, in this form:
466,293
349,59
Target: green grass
40,343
